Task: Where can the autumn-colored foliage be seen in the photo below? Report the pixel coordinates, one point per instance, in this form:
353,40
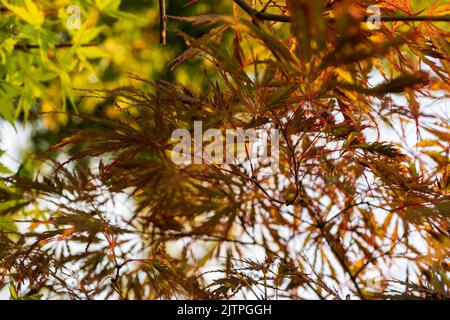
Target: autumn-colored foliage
359,207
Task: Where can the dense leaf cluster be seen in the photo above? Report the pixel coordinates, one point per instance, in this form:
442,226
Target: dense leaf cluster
118,219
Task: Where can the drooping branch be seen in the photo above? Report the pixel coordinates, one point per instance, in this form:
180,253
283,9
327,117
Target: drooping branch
260,15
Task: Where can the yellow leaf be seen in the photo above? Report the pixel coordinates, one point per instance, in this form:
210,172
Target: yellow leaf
36,14
31,15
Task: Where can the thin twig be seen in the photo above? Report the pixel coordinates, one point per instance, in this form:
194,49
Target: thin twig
162,22
57,46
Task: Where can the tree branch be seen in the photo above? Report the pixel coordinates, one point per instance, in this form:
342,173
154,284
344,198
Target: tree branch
261,15
285,18
57,46
162,22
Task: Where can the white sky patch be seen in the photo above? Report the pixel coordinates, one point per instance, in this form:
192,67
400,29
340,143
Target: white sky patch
15,142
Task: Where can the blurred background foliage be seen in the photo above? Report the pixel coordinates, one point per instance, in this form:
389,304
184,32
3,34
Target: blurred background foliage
44,63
